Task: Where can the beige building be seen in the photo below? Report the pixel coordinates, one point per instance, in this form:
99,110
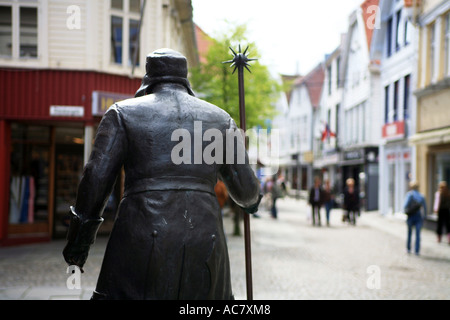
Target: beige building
96,35
432,137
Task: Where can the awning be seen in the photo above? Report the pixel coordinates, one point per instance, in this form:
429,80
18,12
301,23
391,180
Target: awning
439,136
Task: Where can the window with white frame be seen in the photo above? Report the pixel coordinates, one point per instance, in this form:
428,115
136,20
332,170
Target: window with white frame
5,31
330,79
447,43
406,99
125,15
389,37
432,49
398,31
19,29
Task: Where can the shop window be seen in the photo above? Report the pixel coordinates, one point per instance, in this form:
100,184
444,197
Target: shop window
68,170
29,183
5,31
442,165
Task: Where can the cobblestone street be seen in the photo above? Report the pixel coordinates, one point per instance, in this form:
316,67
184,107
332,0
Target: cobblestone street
292,260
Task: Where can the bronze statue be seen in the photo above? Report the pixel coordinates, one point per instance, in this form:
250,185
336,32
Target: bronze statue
168,240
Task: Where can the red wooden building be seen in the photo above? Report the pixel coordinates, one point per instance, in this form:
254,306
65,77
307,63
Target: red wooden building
47,123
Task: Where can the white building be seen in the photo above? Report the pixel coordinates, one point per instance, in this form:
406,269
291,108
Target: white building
360,116
96,35
326,153
299,122
395,45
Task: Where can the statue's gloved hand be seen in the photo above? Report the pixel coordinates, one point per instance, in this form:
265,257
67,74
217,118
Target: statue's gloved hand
75,254
254,208
81,236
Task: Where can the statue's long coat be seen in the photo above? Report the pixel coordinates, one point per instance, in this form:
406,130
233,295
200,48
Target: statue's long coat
168,239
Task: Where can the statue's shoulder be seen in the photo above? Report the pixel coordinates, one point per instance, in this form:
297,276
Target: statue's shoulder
211,107
136,102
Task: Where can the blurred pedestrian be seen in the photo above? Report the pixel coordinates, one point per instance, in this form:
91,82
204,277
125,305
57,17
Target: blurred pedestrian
416,219
316,200
328,198
351,202
442,208
276,194
267,190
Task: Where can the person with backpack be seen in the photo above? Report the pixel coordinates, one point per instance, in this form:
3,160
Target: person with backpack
414,203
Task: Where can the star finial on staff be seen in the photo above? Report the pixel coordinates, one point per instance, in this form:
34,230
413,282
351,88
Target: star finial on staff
240,60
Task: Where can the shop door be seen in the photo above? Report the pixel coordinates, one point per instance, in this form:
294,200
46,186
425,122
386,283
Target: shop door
68,170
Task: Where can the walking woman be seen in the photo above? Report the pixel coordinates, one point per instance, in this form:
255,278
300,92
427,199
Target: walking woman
442,208
351,201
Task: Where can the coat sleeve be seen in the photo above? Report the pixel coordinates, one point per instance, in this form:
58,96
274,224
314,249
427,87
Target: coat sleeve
105,162
242,185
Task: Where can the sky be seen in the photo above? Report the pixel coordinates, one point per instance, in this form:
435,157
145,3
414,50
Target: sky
292,36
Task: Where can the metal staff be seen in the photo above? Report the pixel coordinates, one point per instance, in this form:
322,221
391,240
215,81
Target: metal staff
239,62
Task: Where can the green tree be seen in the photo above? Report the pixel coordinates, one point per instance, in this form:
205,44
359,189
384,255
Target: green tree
214,82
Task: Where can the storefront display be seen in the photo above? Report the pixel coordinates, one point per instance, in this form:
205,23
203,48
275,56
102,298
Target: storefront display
28,204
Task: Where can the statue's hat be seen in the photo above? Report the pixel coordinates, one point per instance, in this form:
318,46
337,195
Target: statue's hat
164,65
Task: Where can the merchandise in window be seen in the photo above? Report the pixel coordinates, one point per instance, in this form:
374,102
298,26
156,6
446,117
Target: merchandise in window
29,174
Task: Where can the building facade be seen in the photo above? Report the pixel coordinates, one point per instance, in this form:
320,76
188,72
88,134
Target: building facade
300,119
432,137
62,66
326,150
394,44
360,115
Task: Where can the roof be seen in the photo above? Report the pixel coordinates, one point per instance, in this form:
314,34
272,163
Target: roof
367,14
203,43
314,83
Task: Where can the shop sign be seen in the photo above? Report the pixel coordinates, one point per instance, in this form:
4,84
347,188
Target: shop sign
308,157
67,111
102,100
353,155
394,130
